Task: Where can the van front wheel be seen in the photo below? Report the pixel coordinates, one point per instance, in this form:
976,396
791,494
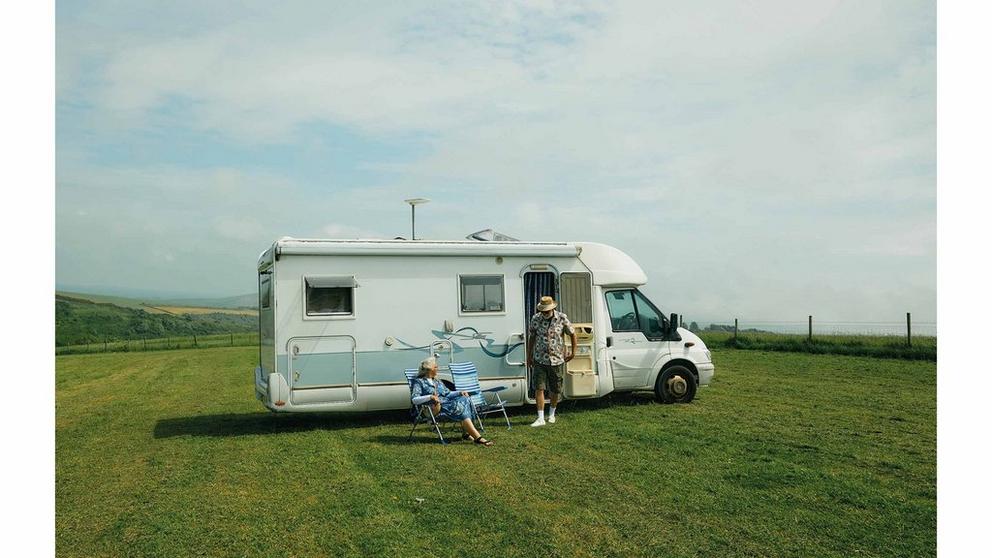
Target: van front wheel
675,384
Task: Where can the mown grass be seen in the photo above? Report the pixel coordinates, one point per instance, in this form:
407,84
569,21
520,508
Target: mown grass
168,454
882,346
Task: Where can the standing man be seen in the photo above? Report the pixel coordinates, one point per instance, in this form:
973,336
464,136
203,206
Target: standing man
545,353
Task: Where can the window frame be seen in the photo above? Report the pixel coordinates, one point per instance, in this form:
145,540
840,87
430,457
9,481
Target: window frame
637,314
502,291
661,315
633,303
268,279
330,316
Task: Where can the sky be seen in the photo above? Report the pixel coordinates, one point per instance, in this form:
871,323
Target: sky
762,160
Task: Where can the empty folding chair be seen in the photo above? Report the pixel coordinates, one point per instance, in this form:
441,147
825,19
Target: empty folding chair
466,378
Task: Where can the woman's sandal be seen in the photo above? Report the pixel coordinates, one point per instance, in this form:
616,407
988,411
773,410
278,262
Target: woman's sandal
482,441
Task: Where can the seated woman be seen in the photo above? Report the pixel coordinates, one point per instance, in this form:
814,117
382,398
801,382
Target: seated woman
455,404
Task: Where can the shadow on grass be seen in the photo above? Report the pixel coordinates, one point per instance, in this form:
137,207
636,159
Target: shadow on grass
251,424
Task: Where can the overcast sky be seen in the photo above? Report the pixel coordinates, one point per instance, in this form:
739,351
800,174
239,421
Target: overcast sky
766,160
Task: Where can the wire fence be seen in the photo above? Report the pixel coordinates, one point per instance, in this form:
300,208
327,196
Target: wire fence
160,343
904,339
906,329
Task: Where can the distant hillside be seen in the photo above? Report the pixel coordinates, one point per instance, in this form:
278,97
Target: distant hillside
84,321
249,300
243,302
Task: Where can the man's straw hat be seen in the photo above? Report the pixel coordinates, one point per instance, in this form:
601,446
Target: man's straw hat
547,303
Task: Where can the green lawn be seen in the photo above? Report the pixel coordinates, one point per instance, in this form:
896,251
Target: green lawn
168,454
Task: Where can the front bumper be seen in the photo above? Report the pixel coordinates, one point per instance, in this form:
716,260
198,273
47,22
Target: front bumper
705,373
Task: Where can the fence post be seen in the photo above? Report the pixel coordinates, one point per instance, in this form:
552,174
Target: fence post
104,344
144,343
909,331
810,338
194,341
232,339
735,330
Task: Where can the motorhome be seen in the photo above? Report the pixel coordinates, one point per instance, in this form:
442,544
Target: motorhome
339,321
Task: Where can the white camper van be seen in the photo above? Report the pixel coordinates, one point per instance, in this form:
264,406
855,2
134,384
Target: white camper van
339,321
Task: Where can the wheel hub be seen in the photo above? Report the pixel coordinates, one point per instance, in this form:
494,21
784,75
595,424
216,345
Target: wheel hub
677,386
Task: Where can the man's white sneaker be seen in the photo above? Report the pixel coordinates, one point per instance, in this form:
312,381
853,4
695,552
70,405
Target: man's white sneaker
538,422
552,419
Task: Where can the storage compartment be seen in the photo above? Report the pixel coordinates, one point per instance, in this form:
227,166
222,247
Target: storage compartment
580,374
580,384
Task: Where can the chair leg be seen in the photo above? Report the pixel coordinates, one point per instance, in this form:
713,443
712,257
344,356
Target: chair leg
415,423
508,427
437,427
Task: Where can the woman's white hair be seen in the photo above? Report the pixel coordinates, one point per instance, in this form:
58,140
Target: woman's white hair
426,365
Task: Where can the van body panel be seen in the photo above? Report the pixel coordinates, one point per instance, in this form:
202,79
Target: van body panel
405,300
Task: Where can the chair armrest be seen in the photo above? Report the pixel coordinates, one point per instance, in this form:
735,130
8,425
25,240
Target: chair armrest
494,389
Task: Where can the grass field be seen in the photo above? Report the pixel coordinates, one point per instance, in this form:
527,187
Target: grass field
168,454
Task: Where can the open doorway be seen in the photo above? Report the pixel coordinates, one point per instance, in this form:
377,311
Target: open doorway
536,285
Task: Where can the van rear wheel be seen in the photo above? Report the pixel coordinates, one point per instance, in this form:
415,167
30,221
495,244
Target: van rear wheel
675,384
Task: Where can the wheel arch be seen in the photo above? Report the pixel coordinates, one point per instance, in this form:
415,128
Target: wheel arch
674,362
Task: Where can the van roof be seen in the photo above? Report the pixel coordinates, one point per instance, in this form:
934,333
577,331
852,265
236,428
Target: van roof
330,247
609,265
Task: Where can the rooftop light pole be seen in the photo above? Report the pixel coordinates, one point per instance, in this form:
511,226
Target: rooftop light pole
414,202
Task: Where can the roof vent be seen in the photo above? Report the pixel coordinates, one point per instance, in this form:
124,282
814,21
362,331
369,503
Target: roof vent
487,235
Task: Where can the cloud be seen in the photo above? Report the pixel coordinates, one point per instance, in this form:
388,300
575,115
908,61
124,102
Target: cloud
335,230
726,141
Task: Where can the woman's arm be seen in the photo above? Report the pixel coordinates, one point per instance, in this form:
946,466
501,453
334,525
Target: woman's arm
417,397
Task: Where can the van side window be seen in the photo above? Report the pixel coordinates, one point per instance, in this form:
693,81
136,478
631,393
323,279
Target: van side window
623,315
631,311
330,296
481,293
264,290
651,323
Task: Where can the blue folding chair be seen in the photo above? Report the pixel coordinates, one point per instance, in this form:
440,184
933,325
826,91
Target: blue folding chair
424,411
466,378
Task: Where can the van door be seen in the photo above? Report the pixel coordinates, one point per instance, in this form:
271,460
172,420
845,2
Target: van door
638,338
323,369
575,291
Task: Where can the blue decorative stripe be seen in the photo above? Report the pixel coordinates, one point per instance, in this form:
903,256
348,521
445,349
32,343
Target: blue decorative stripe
317,369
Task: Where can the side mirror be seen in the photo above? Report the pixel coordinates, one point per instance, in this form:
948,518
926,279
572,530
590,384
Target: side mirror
673,324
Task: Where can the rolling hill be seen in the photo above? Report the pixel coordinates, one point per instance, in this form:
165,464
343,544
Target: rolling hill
79,320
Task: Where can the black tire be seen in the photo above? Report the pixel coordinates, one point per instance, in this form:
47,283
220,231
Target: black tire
675,384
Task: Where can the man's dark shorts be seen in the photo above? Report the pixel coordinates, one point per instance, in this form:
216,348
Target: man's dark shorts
548,377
